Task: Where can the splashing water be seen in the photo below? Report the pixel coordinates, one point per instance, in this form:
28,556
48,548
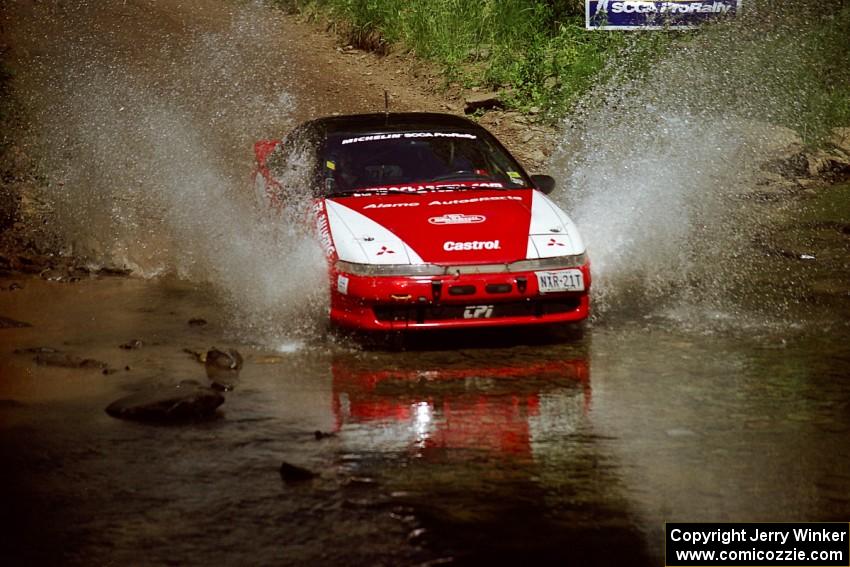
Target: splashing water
656,166
145,142
146,147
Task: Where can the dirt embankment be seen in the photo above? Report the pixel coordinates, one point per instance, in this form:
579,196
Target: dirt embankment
254,60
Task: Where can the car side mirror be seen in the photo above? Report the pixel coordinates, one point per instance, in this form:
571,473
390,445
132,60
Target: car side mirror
544,183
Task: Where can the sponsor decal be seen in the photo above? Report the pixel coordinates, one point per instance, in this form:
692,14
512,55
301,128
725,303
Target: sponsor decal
553,242
515,177
452,246
389,205
342,284
647,14
457,218
478,312
476,200
408,135
384,250
324,229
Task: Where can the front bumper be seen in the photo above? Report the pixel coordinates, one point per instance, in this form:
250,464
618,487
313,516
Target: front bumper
392,303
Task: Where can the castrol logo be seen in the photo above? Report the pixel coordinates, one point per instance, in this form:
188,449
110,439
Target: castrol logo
452,246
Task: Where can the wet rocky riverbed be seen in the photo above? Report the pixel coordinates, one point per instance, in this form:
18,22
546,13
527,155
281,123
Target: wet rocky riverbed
562,449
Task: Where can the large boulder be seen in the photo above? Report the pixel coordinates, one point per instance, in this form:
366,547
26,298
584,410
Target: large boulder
482,101
188,401
831,166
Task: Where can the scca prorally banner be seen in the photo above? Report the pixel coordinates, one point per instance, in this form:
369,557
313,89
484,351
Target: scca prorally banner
644,14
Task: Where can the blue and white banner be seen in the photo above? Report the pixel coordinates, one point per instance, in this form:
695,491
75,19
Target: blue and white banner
651,15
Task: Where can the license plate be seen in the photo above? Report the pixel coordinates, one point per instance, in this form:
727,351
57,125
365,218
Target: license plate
560,280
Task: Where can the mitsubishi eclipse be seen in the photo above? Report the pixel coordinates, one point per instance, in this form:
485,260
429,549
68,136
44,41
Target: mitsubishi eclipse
428,222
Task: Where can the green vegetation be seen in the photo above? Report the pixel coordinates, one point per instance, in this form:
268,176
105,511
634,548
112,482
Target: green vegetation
826,68
536,52
785,64
539,56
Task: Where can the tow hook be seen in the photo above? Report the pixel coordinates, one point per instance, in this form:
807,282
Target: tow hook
436,289
522,283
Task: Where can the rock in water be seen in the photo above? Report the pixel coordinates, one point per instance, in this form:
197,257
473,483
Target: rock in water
37,350
9,323
185,402
293,473
230,360
132,344
223,368
61,360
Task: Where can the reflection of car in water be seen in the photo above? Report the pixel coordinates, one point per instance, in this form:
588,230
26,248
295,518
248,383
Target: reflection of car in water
498,408
428,222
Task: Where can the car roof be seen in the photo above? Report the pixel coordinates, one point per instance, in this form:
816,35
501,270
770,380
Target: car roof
391,121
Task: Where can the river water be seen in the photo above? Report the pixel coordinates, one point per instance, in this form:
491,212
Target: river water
711,385
557,449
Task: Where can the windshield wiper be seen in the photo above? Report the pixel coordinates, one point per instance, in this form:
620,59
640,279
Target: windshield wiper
460,176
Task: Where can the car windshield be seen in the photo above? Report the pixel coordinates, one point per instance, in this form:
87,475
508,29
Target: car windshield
414,161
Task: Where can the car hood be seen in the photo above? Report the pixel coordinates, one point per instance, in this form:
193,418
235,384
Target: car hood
450,227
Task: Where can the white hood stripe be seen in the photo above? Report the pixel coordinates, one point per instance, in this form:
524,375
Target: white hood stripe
361,240
542,241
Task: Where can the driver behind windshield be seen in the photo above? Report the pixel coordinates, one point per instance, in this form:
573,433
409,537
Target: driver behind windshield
369,161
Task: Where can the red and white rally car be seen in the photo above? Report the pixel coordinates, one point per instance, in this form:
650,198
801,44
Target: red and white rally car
428,222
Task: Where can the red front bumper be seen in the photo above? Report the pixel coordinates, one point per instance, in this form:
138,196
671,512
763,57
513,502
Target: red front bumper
389,303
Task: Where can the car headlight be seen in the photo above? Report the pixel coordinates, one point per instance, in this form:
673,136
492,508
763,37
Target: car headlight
390,269
555,262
